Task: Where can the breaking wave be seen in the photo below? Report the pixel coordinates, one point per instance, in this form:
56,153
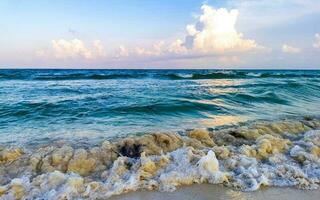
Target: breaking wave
261,153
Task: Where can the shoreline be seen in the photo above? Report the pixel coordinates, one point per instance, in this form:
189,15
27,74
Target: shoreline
283,153
215,192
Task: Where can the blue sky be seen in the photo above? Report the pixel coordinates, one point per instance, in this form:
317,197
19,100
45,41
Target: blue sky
160,34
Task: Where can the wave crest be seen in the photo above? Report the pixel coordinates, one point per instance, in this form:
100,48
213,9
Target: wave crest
43,75
283,153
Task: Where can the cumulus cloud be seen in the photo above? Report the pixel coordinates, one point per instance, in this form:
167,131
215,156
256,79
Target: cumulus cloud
290,49
215,32
71,49
213,35
99,50
157,49
317,42
122,51
177,47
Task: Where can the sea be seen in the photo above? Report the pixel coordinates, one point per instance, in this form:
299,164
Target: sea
86,106
93,134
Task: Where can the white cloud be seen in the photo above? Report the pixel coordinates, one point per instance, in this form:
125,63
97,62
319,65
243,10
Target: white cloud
157,49
317,42
213,35
215,32
122,51
99,48
140,51
162,49
177,47
71,49
290,49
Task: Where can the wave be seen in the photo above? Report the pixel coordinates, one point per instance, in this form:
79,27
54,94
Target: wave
215,75
177,106
88,77
279,75
279,153
238,75
68,76
266,97
189,105
133,74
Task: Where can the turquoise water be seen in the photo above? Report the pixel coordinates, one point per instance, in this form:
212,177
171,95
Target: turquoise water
39,106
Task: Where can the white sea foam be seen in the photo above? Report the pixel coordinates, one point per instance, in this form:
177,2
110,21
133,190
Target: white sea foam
267,160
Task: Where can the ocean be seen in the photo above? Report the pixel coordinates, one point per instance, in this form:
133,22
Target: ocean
38,106
92,134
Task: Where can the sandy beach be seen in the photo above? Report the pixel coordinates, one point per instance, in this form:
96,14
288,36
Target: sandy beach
215,192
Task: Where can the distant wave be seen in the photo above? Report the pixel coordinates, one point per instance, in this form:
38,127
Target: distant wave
238,75
70,77
186,75
214,75
89,77
278,75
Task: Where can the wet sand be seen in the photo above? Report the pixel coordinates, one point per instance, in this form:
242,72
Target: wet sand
213,192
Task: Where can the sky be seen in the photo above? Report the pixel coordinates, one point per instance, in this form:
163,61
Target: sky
273,34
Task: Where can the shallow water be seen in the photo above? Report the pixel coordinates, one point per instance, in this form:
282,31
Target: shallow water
214,192
87,106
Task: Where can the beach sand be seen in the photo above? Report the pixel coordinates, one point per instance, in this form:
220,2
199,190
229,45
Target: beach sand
212,192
